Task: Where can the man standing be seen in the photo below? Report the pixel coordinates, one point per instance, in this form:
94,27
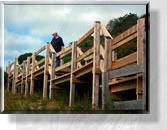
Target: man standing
58,45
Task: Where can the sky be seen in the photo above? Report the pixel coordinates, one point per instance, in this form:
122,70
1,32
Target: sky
29,27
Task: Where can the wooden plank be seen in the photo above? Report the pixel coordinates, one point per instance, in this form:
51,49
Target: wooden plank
65,52
125,79
14,79
39,62
79,51
129,70
123,86
105,87
66,65
105,31
73,67
52,76
141,59
96,64
127,60
40,50
86,35
102,51
125,34
86,54
124,41
27,73
83,70
32,75
23,75
45,84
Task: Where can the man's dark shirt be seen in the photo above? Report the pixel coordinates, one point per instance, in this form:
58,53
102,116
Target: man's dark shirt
57,44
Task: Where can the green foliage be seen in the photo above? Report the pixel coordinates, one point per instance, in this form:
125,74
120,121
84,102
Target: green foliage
127,48
25,55
86,44
67,58
121,24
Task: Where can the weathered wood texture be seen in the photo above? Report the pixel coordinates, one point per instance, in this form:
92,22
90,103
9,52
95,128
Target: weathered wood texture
52,76
32,75
126,71
96,66
27,73
107,63
73,67
46,71
141,59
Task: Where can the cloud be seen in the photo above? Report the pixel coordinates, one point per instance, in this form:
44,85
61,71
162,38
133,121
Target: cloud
16,44
28,27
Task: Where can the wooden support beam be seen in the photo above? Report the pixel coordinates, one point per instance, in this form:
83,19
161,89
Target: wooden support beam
129,70
23,75
96,64
73,67
105,32
123,86
105,79
32,80
127,60
141,59
45,84
27,73
9,73
14,77
52,76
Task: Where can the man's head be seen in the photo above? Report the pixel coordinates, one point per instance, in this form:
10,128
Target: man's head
55,34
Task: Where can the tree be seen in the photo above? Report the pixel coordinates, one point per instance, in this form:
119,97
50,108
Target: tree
119,25
25,55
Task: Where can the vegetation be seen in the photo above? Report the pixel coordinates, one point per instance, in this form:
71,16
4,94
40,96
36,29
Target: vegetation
25,55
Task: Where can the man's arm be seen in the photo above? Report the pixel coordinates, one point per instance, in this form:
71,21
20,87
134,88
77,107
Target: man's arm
62,45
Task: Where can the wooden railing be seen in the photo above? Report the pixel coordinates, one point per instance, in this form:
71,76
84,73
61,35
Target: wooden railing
101,59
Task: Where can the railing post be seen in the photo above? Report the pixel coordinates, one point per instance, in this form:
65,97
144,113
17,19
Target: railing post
27,72
32,76
52,76
107,66
141,85
8,72
73,67
23,75
14,77
45,84
96,66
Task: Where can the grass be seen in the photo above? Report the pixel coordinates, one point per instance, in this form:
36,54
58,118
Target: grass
18,102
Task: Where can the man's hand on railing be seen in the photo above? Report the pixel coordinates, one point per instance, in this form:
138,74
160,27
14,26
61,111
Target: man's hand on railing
62,48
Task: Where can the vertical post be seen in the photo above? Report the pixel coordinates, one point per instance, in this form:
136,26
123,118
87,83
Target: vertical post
52,76
23,75
27,72
32,76
107,65
96,66
45,84
141,84
14,78
73,67
8,71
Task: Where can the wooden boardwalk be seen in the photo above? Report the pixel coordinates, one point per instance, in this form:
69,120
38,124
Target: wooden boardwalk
109,73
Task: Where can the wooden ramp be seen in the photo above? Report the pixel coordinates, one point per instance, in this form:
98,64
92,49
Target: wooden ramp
109,73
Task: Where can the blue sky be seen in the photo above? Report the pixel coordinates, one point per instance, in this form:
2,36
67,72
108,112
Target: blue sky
29,27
